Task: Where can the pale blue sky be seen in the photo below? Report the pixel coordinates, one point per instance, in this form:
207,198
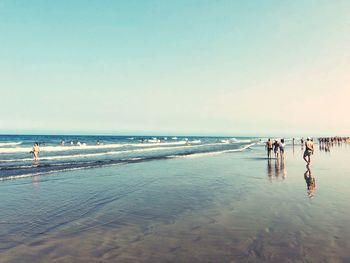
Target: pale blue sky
175,67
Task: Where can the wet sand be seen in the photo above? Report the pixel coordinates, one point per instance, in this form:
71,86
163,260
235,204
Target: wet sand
227,208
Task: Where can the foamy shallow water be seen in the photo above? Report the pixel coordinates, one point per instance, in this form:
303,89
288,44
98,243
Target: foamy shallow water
233,207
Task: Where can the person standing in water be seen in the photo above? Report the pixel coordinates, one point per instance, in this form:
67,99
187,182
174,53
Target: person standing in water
308,151
282,145
35,151
276,148
268,146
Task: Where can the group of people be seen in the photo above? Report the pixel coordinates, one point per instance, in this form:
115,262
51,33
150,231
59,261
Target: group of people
333,139
277,147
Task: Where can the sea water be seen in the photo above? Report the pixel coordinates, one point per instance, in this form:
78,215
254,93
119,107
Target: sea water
64,153
216,205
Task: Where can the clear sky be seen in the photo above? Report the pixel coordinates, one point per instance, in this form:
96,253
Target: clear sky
215,67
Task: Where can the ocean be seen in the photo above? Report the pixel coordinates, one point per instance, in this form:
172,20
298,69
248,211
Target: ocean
65,153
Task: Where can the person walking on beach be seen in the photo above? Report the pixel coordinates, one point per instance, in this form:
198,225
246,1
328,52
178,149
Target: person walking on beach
35,151
268,146
282,145
308,150
276,147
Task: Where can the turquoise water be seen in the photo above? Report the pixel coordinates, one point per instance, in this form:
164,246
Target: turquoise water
229,207
67,153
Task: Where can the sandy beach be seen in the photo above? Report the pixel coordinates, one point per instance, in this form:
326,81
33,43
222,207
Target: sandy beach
233,207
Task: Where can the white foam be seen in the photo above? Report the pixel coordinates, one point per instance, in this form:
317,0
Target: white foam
87,155
195,155
9,143
235,141
162,143
154,140
59,148
87,147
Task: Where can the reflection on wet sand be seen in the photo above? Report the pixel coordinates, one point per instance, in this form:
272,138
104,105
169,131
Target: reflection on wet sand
35,180
269,169
280,169
310,182
277,168
283,170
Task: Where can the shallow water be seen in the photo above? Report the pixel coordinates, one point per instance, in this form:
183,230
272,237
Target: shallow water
233,207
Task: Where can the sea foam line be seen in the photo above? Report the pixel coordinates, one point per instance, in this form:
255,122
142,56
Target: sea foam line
9,143
91,147
194,155
87,155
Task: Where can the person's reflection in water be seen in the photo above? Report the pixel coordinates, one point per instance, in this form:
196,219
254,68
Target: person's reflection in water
269,169
35,162
283,170
310,182
277,168
35,181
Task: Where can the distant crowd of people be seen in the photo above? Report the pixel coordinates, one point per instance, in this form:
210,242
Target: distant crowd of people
333,139
325,143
